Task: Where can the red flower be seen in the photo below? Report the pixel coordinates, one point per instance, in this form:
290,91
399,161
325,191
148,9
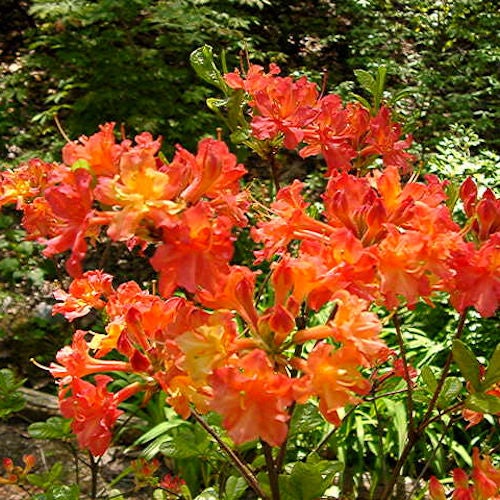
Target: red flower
71,204
94,410
75,360
477,279
172,483
384,139
281,104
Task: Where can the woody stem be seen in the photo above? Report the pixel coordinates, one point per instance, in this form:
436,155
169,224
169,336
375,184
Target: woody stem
414,436
245,471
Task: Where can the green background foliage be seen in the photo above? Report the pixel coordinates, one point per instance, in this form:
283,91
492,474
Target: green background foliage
128,61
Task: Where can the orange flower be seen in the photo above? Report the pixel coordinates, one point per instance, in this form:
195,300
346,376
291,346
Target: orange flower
213,171
477,277
485,481
196,250
84,293
332,133
234,290
143,193
75,360
436,490
402,267
15,474
384,138
93,410
207,346
253,399
353,325
333,376
99,151
484,213
28,181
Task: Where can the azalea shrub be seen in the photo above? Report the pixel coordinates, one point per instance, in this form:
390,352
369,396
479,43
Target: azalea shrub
270,357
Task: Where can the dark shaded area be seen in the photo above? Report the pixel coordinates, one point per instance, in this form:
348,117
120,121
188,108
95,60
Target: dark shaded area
15,21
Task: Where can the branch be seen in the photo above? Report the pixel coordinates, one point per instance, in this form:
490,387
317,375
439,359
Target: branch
247,474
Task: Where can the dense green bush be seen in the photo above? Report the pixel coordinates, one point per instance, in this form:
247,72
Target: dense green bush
127,61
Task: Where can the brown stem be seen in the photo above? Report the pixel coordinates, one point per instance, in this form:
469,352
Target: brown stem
272,471
414,436
94,469
444,374
245,471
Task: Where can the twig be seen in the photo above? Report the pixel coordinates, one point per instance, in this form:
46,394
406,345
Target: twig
61,130
431,457
413,437
238,463
444,374
271,470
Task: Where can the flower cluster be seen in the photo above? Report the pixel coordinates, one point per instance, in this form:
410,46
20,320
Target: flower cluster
207,340
15,474
346,136
188,208
485,482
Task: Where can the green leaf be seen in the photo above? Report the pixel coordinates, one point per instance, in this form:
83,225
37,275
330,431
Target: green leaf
484,403
468,364
408,92
401,424
186,443
492,375
52,428
81,163
451,388
11,400
381,75
202,61
366,81
7,266
47,479
215,104
362,100
208,494
429,378
306,418
235,487
159,430
156,436
159,495
64,492
308,481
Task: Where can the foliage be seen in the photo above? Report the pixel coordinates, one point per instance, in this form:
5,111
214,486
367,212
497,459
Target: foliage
445,51
122,61
127,62
11,400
